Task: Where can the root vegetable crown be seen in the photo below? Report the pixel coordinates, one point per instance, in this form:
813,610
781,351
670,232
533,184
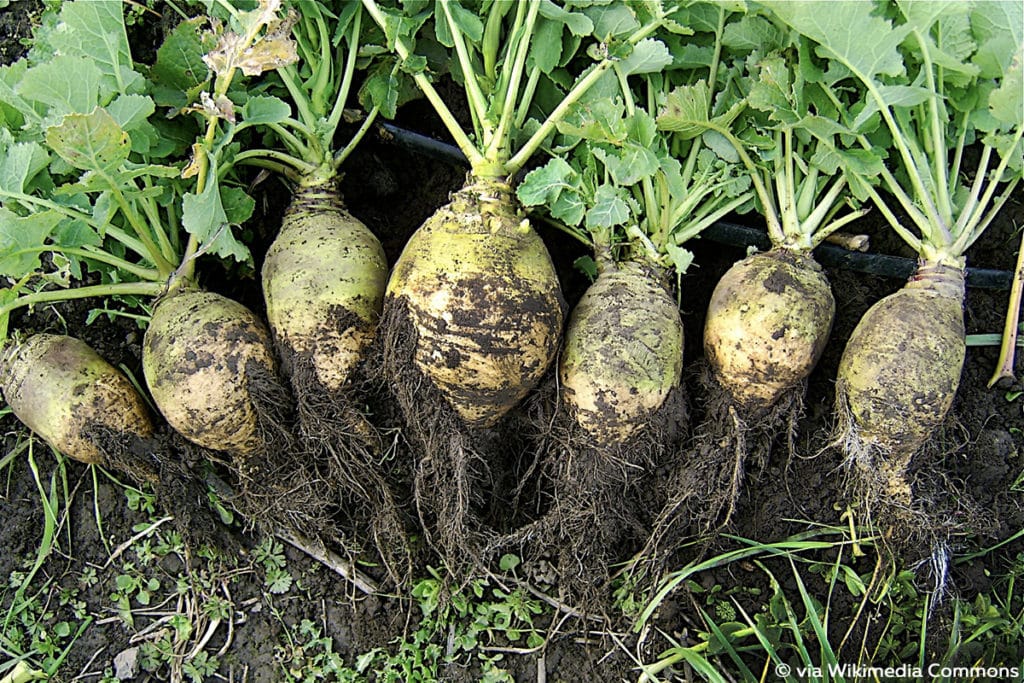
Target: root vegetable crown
63,391
484,300
623,352
768,321
323,283
196,355
901,367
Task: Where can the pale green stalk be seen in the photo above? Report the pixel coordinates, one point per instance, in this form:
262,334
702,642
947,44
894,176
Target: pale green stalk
116,233
148,289
461,139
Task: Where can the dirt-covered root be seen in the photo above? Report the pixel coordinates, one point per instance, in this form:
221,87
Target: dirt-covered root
210,367
195,356
918,514
599,502
276,486
897,379
730,449
479,286
454,491
67,394
623,352
768,321
342,446
171,466
916,508
323,284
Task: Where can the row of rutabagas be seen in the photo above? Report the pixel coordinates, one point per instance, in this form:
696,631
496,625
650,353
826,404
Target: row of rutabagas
473,311
207,360
768,106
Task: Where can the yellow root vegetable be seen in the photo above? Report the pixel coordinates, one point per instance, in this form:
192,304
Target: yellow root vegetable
67,394
199,357
899,373
623,353
767,324
484,301
323,282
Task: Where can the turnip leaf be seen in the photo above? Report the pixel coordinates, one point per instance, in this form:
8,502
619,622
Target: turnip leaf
579,24
686,111
752,32
608,209
20,237
628,164
998,28
90,142
65,85
648,56
681,258
546,183
95,31
547,45
263,109
131,112
1006,103
381,90
203,216
850,32
466,21
15,109
611,20
22,161
180,73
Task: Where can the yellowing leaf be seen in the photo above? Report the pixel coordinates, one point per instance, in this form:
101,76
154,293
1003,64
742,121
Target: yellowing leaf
91,142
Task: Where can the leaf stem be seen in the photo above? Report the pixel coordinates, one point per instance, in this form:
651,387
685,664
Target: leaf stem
524,153
463,141
116,233
334,118
477,100
497,148
94,254
939,153
1008,344
976,224
339,157
139,226
116,289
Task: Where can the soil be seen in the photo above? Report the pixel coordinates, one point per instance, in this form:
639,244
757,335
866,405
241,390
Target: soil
393,190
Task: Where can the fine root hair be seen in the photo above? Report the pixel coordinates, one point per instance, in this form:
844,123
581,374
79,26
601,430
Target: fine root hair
458,496
732,444
340,445
597,500
167,464
916,508
277,488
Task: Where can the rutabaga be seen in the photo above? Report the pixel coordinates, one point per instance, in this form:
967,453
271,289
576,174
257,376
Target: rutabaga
625,194
75,400
324,275
929,80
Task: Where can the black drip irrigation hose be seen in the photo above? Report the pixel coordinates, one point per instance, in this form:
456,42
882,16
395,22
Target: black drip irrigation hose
733,234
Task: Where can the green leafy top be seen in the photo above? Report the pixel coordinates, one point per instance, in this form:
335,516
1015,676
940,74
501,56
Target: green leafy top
764,111
318,87
637,192
928,78
506,53
94,175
